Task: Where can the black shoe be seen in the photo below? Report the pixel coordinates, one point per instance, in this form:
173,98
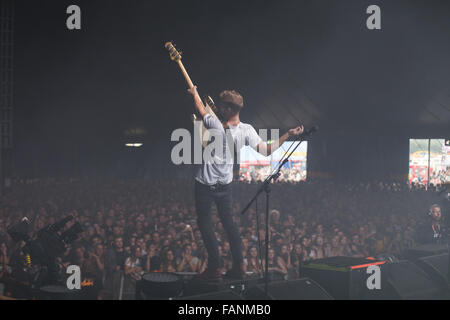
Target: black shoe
236,273
210,274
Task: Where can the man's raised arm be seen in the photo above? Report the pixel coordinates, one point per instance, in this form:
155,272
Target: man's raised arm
268,149
198,102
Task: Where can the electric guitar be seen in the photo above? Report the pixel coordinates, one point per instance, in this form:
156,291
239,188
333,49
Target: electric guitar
210,108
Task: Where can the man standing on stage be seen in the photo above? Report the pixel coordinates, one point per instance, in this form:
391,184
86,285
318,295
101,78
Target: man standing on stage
432,232
213,178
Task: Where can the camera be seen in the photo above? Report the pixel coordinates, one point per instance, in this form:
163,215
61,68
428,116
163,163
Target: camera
48,244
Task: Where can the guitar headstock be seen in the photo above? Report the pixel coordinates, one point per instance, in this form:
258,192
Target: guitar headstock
173,52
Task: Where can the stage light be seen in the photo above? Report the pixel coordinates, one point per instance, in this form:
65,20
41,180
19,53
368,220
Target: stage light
134,145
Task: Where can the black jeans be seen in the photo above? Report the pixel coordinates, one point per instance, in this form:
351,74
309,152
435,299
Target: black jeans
222,196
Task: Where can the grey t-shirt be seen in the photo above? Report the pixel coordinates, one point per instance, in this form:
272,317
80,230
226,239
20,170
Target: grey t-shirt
219,167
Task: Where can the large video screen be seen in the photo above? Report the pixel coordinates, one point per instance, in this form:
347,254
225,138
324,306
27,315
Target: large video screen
256,167
437,159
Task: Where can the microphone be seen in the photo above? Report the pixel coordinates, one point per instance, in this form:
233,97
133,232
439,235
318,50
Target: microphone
313,129
309,131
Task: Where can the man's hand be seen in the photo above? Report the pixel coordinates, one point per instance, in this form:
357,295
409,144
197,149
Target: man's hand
197,101
296,131
193,91
267,150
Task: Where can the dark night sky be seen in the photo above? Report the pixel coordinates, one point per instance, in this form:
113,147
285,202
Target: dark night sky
315,60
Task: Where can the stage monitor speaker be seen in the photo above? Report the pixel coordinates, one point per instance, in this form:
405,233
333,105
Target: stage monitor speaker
436,267
344,278
220,295
406,281
425,250
402,280
301,289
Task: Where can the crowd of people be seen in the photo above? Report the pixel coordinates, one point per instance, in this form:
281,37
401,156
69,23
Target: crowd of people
132,227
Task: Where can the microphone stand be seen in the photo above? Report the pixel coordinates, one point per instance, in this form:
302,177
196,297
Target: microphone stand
265,187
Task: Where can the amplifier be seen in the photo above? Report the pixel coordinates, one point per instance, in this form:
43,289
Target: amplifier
345,278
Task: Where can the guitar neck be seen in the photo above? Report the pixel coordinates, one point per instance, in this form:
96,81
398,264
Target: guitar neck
176,56
185,74
191,85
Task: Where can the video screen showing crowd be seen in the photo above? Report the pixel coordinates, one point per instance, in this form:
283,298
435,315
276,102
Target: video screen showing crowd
254,167
429,161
